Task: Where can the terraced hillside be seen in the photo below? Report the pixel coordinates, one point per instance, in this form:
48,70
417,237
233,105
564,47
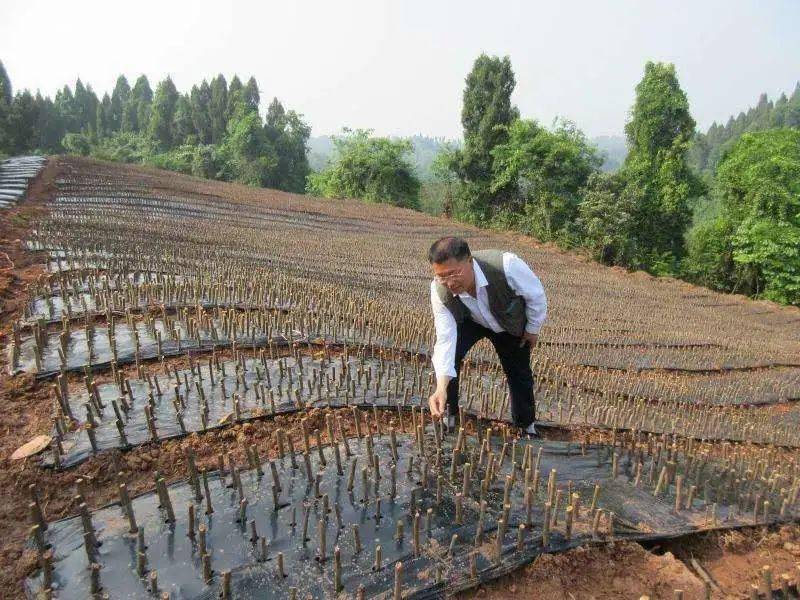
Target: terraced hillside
168,335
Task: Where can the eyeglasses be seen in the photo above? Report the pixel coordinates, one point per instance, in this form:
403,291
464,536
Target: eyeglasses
450,277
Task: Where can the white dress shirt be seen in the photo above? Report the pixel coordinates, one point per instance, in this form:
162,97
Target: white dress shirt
521,279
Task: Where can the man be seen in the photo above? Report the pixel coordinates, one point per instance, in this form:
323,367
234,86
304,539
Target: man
489,294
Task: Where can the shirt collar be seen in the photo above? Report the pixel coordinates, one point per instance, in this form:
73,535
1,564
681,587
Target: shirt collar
480,279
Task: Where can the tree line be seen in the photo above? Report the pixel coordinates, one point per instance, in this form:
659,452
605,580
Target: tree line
213,131
709,147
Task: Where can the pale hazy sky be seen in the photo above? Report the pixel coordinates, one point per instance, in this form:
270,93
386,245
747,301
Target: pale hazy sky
399,67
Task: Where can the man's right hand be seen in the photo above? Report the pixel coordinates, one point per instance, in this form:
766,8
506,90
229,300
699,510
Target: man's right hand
437,402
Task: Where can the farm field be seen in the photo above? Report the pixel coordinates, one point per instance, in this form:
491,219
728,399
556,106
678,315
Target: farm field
231,383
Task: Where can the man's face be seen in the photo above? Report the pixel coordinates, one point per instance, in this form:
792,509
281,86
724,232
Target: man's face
456,275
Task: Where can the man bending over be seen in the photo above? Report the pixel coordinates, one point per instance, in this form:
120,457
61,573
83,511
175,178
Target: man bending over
489,294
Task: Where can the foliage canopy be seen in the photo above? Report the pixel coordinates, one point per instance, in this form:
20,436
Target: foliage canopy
376,169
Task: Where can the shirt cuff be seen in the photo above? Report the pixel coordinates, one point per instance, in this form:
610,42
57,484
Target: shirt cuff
533,328
451,372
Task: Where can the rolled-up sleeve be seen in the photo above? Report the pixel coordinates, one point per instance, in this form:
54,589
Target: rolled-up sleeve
444,351
525,282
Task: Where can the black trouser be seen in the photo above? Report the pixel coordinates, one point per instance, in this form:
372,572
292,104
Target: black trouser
516,364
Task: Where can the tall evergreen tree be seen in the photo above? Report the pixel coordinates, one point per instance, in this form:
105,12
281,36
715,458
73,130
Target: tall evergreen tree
22,121
276,119
104,117
251,95
486,114
295,147
130,123
779,111
659,133
162,113
136,115
65,105
486,111
49,127
82,104
6,94
5,106
234,95
88,110
142,92
760,116
218,108
182,127
274,130
119,99
792,118
200,99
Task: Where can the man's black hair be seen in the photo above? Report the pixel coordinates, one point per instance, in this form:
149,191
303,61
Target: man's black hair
448,247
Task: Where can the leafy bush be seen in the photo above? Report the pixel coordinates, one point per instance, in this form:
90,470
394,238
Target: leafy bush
753,246
371,168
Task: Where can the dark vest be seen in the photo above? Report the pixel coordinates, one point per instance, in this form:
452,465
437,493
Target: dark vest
506,305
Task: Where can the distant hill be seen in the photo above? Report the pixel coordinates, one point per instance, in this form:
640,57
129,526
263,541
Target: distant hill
614,150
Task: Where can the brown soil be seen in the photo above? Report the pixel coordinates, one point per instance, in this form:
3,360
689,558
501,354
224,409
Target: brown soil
732,559
620,570
24,411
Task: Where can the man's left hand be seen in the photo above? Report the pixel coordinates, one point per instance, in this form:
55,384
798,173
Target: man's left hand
529,338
